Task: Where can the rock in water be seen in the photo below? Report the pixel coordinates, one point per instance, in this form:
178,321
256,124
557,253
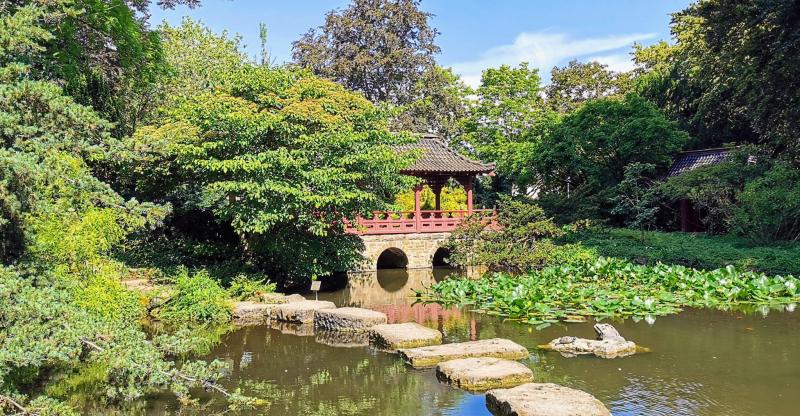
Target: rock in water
300,312
392,337
480,374
251,313
341,339
543,399
609,344
348,319
432,355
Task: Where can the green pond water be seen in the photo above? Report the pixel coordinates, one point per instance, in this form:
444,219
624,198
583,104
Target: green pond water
702,362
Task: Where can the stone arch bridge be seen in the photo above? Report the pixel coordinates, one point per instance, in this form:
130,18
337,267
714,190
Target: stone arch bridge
407,251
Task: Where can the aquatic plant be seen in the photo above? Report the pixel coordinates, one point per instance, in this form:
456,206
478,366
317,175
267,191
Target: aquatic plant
610,287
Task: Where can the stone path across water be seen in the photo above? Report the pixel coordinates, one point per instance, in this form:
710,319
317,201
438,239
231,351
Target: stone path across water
472,366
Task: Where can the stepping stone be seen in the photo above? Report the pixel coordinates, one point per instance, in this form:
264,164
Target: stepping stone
543,399
291,328
432,355
392,337
348,319
251,313
480,374
342,339
300,312
609,344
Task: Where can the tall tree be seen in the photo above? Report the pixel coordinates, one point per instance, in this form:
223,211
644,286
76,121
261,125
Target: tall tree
507,123
577,82
381,48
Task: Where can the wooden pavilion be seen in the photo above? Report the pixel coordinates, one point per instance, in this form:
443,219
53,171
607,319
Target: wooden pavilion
436,166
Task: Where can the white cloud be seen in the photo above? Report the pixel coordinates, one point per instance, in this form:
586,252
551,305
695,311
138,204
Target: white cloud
620,62
544,50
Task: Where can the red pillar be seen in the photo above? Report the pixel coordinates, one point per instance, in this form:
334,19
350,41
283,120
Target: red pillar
468,188
417,207
437,192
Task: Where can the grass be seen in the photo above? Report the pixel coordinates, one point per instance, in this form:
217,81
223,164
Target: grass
690,249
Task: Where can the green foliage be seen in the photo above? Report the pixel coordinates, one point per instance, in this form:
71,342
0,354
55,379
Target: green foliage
585,157
198,299
245,288
451,198
636,197
380,48
281,158
609,287
520,241
509,121
769,207
692,250
578,82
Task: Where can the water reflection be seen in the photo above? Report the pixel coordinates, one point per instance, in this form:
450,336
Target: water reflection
702,362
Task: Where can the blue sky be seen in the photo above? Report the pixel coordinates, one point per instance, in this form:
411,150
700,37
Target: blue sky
475,35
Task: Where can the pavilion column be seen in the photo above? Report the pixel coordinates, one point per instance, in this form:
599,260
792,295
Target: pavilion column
468,188
437,192
418,206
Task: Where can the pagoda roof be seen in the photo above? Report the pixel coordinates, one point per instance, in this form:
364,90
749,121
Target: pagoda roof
691,160
437,159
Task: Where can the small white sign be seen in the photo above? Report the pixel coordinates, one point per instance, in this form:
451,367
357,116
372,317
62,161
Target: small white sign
315,285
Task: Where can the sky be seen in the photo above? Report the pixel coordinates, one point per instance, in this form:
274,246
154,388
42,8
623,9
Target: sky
475,35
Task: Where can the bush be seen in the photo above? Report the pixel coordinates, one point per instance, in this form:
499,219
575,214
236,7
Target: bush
689,249
198,299
769,207
245,288
521,240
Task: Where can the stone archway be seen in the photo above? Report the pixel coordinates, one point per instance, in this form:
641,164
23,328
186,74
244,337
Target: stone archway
392,258
440,257
418,249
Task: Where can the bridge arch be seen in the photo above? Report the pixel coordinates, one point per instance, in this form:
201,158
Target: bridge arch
392,258
439,257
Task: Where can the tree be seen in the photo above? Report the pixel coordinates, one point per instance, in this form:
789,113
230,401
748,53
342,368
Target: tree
576,83
508,121
588,152
279,156
381,48
636,197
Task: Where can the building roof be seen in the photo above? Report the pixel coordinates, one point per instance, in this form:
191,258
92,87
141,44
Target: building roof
688,161
437,158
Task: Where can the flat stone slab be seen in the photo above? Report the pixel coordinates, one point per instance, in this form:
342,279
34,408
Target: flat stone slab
480,374
432,355
251,313
543,399
348,319
609,344
341,339
301,311
392,337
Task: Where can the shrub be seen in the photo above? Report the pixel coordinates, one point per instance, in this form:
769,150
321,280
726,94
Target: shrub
769,207
520,241
198,299
245,288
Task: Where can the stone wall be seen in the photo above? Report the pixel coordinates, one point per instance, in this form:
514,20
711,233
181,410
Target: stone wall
419,248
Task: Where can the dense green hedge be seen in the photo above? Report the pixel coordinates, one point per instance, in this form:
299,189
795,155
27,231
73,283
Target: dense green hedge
689,249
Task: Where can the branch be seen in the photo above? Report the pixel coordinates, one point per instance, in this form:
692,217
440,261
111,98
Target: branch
207,384
6,399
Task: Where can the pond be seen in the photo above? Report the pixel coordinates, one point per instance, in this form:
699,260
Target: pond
702,362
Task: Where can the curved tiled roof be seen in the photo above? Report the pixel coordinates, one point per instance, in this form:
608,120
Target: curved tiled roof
688,161
438,158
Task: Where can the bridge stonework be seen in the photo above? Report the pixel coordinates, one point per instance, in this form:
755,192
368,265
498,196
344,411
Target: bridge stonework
419,248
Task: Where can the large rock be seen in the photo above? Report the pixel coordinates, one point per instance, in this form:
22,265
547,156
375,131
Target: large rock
609,344
251,313
543,399
301,311
341,339
432,355
392,337
479,374
348,319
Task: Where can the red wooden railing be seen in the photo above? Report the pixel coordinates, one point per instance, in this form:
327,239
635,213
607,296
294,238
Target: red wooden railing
406,222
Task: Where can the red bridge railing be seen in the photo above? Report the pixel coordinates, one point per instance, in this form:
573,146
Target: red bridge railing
407,222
